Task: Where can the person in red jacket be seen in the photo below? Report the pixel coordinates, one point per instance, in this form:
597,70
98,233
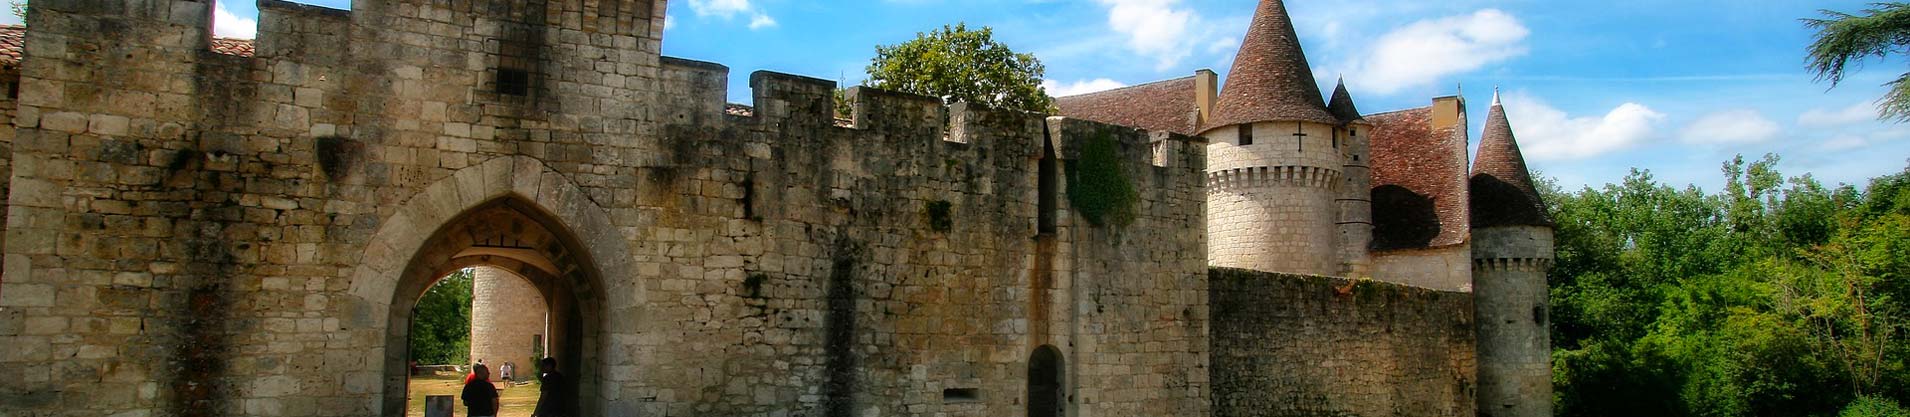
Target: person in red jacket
480,397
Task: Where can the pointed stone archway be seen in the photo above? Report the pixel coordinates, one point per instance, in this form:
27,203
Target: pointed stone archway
569,249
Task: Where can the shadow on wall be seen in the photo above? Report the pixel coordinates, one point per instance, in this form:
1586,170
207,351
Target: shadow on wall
1402,219
1496,202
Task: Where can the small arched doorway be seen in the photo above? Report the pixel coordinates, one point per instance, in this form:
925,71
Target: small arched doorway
514,236
1047,396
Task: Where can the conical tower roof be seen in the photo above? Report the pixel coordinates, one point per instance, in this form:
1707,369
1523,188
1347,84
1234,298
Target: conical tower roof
1342,104
1270,80
1502,191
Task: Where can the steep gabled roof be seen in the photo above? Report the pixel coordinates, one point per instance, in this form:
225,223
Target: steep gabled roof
1162,106
1419,182
1342,104
1502,191
1270,80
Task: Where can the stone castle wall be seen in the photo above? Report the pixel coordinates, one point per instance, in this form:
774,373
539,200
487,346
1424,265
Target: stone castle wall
507,320
201,234
1289,345
1442,268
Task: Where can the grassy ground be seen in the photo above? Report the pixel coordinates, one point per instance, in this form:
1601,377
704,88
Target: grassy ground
518,400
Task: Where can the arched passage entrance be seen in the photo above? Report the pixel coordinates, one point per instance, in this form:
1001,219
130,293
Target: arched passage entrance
1047,396
412,248
510,234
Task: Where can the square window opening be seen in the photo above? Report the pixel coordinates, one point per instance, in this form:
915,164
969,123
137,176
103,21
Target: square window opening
514,82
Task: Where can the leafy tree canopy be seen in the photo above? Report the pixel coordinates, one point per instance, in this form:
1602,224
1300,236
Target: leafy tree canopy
441,322
958,64
1843,39
1775,297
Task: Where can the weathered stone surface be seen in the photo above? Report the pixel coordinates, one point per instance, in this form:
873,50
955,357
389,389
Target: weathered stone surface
1292,345
246,234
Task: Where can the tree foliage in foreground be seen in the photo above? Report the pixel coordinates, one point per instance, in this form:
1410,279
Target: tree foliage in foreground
957,64
1774,297
1879,32
441,323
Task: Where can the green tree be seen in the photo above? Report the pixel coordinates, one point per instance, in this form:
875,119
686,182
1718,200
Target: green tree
957,64
1879,32
441,322
1774,297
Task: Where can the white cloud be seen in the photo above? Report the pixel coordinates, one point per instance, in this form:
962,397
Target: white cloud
722,8
1730,127
1845,142
1422,52
761,21
1856,113
669,21
1155,28
1547,133
728,9
1056,89
228,25
1224,45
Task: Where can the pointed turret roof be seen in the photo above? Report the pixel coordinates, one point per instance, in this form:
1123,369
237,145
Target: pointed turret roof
1502,191
1342,104
1270,80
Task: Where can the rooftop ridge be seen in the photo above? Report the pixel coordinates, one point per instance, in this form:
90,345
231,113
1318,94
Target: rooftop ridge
1129,87
1391,112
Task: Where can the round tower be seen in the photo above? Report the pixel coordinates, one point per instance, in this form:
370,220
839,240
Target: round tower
1511,252
1272,166
1353,196
507,321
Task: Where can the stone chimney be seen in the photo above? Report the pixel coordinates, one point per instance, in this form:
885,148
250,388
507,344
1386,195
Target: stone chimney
1206,91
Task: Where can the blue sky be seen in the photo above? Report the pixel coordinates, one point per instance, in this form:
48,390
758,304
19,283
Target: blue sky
1592,88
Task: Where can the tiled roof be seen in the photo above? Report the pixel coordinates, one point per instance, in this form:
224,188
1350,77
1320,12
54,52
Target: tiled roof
1419,182
13,42
1502,192
1342,104
1162,106
230,46
1270,80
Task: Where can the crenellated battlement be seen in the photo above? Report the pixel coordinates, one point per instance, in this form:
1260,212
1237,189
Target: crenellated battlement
1512,264
1231,180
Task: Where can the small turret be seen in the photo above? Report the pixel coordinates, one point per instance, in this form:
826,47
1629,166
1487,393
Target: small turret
1342,106
1511,252
1274,158
1354,198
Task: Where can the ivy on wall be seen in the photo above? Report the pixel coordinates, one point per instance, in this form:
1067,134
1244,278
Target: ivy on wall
1098,188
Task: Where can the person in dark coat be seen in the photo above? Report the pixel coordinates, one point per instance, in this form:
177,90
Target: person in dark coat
551,400
480,397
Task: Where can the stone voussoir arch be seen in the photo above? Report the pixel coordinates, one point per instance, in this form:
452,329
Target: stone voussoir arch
399,238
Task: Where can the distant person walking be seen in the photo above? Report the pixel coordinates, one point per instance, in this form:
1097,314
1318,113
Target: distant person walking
508,371
553,398
480,397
